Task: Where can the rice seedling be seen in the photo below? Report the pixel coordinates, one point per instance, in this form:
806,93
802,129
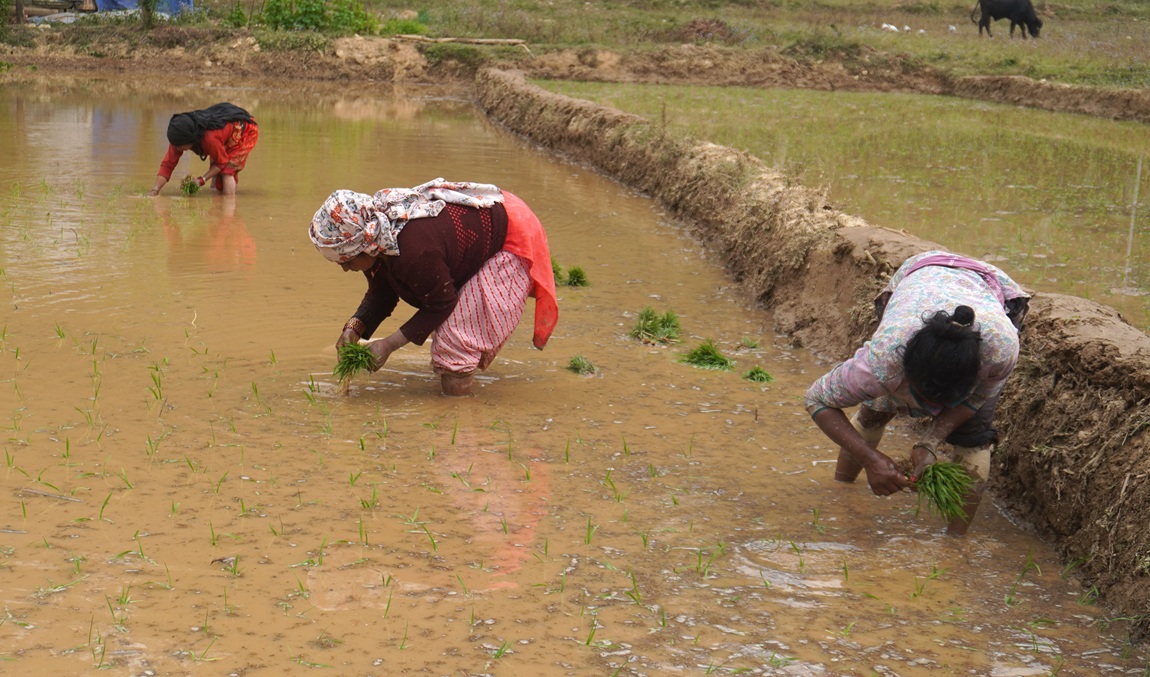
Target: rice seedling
576,277
189,186
651,327
354,358
943,487
557,271
581,365
707,356
758,375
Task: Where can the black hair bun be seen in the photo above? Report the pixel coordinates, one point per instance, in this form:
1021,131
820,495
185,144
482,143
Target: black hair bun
963,315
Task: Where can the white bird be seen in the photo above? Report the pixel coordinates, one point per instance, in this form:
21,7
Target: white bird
888,27
952,29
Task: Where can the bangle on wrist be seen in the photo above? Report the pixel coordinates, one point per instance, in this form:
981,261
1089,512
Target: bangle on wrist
200,180
355,324
928,447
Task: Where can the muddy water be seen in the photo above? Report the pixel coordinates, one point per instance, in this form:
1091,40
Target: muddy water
1059,200
185,491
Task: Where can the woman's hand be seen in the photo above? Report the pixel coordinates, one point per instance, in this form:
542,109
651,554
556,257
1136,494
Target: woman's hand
349,335
883,475
921,455
383,348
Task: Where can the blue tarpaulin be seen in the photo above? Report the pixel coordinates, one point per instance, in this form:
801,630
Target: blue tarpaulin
172,7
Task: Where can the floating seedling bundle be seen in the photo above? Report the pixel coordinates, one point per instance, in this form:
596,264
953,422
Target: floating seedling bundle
354,358
651,327
944,487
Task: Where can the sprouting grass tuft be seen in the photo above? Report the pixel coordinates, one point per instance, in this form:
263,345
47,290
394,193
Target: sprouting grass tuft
581,365
943,487
758,375
354,358
651,327
707,356
188,186
576,277
557,271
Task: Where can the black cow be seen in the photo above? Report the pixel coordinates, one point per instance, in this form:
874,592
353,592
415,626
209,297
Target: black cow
1020,12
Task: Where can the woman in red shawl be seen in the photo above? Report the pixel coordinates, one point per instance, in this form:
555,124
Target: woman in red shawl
465,255
225,133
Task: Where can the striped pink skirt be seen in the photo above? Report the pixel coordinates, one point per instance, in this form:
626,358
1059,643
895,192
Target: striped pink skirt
489,309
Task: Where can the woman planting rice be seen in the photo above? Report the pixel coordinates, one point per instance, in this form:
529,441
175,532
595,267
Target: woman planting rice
946,342
465,255
224,132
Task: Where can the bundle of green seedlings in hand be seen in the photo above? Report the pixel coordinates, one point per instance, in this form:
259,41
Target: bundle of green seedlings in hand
707,356
189,186
655,328
944,486
354,358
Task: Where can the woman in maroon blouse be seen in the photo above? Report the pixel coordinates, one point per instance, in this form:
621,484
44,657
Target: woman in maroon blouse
465,255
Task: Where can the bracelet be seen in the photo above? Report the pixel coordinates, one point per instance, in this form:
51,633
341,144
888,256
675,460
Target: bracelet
928,447
355,324
200,180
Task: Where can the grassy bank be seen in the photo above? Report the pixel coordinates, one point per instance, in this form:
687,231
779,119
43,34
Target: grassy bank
1083,41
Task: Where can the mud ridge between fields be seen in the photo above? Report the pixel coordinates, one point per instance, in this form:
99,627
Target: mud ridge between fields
1073,462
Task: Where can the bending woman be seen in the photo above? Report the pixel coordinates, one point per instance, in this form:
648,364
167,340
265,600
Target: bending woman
225,133
465,255
946,342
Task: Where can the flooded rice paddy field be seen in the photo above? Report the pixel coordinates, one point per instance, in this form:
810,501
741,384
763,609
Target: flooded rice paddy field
1060,201
185,491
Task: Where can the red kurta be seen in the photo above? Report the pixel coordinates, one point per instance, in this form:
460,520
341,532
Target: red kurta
226,148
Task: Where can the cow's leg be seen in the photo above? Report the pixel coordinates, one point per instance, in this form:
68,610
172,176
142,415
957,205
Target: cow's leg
985,23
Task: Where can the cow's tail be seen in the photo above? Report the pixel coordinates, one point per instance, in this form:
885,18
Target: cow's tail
974,12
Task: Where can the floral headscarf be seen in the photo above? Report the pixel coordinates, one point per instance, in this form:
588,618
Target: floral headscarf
351,223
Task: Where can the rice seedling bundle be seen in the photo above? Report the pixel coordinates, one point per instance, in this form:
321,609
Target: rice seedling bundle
189,186
354,358
652,327
943,487
707,356
759,375
576,277
581,365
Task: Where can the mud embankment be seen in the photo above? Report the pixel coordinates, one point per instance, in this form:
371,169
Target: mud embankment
1074,459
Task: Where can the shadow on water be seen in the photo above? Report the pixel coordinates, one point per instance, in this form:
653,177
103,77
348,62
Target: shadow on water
186,491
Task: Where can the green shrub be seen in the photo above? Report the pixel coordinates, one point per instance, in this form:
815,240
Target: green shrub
237,18
349,16
402,27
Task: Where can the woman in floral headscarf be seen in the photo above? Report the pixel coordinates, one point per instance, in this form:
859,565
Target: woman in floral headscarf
224,132
465,255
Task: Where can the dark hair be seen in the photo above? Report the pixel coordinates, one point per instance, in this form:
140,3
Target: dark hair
941,360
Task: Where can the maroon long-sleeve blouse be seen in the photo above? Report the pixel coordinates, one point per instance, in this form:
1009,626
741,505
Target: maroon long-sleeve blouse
437,256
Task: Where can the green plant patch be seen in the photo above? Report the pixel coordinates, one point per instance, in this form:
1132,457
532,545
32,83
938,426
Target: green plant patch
943,488
354,358
707,356
758,375
651,327
581,365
